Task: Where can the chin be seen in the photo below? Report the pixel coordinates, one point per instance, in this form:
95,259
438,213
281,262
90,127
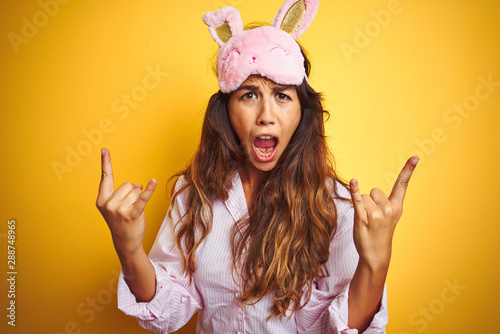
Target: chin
264,166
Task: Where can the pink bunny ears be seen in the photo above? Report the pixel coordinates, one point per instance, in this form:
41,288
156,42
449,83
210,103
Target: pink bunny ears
269,51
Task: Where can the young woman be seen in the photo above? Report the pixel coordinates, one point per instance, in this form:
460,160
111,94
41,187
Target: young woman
261,235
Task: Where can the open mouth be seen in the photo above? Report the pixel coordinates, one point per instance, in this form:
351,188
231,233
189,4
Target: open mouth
265,147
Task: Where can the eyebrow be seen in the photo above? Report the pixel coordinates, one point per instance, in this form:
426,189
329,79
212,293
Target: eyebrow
283,88
247,87
275,88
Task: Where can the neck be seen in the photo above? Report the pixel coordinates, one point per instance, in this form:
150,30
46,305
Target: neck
251,179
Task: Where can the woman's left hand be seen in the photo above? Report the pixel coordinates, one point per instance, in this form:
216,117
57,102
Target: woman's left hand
376,216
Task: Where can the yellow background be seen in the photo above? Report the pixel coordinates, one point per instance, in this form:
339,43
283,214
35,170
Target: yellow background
386,101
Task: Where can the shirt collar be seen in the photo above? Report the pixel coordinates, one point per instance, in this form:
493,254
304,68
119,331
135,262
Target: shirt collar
236,202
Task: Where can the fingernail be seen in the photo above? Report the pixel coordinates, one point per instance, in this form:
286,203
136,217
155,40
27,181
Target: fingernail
414,161
102,151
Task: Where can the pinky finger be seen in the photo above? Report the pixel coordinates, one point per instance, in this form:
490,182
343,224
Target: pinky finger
356,196
145,196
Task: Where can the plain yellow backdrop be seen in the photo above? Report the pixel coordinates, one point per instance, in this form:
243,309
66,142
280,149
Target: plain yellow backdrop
399,77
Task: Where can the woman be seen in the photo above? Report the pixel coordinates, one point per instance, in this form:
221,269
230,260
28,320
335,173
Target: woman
261,235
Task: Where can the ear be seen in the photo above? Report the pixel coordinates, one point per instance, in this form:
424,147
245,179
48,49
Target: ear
295,16
223,24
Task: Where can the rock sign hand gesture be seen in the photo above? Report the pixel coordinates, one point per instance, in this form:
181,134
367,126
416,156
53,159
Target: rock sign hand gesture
376,216
375,219
123,208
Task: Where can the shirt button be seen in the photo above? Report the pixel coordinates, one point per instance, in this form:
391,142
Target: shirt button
239,333
237,295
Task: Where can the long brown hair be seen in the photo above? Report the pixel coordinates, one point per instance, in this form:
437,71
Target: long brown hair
287,236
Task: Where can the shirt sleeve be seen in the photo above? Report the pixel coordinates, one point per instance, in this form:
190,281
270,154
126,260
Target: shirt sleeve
175,300
327,309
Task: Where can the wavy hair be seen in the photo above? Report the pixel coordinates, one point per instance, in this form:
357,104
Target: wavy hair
287,237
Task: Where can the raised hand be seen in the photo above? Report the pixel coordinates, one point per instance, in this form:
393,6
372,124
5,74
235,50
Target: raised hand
123,208
376,216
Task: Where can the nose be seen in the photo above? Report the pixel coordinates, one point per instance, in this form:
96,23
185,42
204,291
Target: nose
267,115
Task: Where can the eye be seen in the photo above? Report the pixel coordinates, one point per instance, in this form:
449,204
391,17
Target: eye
277,48
282,96
249,96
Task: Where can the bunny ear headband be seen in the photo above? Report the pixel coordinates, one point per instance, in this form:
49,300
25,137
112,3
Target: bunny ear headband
269,51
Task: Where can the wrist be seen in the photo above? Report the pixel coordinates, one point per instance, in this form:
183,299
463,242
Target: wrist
128,249
132,262
376,256
374,265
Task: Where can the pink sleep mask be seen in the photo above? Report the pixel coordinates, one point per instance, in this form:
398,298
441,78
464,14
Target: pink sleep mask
269,51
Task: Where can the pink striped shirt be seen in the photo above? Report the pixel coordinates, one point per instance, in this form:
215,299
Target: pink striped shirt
215,294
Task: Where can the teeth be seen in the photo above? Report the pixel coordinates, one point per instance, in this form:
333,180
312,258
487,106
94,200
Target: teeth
263,154
265,137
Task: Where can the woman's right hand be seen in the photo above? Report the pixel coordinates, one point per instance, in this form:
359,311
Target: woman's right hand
123,208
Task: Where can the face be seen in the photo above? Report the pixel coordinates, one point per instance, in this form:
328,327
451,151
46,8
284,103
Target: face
264,116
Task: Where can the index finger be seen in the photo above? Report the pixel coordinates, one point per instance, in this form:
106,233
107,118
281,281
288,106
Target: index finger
106,184
399,189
